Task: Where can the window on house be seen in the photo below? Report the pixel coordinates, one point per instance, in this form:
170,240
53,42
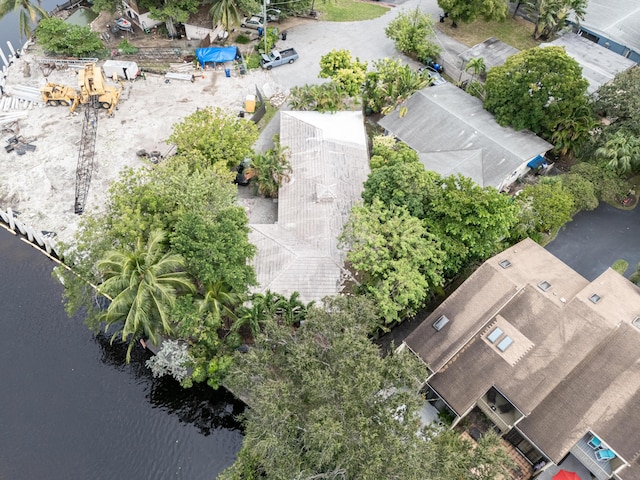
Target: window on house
505,343
544,286
495,335
440,323
505,263
595,298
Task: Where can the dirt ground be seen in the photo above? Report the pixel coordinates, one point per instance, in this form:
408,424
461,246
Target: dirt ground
40,185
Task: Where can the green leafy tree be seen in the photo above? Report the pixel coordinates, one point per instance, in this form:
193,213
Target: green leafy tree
225,12
573,132
173,11
412,33
216,247
550,204
143,285
399,263
387,151
468,11
347,73
405,185
552,15
582,191
55,35
619,100
606,183
536,89
390,84
471,222
326,404
28,15
217,135
621,152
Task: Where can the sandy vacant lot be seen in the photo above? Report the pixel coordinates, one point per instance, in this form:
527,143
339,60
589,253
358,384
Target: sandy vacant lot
41,184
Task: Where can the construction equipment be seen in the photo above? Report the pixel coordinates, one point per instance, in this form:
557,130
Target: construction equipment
91,81
94,94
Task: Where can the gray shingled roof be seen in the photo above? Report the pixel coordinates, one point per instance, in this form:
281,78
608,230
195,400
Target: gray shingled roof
453,133
599,65
494,52
579,366
618,20
330,162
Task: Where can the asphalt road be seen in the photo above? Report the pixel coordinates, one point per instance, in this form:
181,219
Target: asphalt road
594,240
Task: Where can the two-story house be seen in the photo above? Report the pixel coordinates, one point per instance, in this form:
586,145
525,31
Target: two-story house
552,359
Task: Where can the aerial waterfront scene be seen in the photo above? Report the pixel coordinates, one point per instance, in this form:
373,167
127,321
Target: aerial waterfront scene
341,240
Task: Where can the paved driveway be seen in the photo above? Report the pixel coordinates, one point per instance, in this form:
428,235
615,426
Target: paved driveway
594,240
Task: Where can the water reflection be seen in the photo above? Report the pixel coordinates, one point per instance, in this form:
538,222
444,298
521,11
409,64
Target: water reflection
201,406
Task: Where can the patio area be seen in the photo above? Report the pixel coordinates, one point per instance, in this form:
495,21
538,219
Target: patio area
570,464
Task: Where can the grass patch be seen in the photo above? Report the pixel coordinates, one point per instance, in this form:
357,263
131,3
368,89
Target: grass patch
620,266
242,39
513,31
349,10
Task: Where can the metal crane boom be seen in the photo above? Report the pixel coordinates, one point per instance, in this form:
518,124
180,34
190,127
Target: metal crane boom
86,153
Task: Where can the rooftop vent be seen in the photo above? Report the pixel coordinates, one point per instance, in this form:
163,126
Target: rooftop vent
544,286
495,335
505,343
595,298
440,323
636,322
505,263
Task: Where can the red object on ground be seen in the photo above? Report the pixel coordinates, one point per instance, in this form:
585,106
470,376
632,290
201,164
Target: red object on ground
564,475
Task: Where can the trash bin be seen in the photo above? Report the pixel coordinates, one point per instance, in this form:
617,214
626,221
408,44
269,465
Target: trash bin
243,70
227,72
260,31
284,35
250,103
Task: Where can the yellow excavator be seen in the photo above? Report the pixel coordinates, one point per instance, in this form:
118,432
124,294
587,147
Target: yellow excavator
91,82
93,94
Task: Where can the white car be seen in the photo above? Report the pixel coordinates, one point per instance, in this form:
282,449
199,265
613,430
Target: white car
253,22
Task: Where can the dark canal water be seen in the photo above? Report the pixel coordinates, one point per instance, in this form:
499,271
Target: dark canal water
71,409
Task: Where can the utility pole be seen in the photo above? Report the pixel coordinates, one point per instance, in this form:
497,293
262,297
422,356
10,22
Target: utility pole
264,16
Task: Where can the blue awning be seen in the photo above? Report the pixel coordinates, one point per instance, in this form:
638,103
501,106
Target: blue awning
536,162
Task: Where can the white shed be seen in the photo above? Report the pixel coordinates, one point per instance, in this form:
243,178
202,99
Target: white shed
121,68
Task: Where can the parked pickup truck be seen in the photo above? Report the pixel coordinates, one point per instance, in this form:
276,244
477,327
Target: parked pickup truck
277,58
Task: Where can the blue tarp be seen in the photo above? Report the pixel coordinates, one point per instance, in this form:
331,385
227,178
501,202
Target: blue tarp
536,162
216,55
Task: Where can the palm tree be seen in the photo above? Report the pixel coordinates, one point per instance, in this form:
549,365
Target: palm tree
476,66
552,14
225,12
270,170
220,300
621,151
143,284
29,13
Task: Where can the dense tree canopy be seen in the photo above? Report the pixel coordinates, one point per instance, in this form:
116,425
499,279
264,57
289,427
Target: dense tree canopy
537,89
386,151
217,135
467,11
347,73
55,35
469,221
204,228
399,262
326,404
620,100
552,15
550,204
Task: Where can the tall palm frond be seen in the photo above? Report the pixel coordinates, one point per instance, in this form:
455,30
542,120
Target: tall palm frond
143,284
29,12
